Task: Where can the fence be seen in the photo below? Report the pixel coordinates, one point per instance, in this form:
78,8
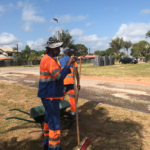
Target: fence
85,60
104,60
5,63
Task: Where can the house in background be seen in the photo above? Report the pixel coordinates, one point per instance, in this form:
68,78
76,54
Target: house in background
7,53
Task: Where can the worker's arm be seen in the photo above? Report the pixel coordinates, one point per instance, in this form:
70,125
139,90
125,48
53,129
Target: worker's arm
61,74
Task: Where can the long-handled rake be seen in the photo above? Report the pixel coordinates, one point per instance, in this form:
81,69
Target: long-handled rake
85,141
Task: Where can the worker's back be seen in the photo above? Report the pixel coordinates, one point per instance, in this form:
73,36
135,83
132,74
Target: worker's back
48,84
69,78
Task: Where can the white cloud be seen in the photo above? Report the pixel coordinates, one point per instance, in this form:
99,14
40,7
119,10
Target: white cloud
145,11
27,27
50,28
10,5
37,45
53,30
76,32
8,39
89,24
100,46
2,9
91,38
68,18
29,14
133,31
19,4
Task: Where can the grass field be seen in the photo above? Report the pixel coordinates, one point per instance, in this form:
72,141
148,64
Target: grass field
108,127
118,70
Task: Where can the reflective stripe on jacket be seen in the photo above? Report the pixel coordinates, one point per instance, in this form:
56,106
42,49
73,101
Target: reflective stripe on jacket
69,78
51,77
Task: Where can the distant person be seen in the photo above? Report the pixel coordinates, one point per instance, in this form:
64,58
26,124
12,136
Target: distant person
69,81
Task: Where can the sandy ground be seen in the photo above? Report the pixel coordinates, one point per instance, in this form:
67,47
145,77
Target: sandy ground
127,93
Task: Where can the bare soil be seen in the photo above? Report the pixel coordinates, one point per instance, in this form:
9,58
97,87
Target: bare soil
126,93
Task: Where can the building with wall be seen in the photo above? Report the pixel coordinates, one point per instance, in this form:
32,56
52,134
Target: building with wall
7,53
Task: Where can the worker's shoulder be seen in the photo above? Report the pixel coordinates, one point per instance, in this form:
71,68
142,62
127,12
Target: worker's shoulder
48,58
62,58
65,58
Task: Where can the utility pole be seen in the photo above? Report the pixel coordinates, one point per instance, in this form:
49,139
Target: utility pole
89,50
57,26
17,48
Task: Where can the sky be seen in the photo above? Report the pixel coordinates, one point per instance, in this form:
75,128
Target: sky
93,23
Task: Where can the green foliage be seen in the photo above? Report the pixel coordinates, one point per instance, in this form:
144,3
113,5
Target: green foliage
140,49
27,54
127,45
148,34
108,52
14,48
79,49
41,52
117,44
65,37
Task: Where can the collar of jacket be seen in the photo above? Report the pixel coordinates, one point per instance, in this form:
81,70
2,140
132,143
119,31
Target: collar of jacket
50,55
67,56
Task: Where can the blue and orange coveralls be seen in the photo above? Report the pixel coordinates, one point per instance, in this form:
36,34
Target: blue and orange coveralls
69,82
50,91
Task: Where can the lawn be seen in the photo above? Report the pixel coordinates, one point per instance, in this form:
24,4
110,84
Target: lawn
118,70
108,127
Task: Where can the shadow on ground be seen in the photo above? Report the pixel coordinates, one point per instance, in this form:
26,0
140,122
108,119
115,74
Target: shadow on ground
95,123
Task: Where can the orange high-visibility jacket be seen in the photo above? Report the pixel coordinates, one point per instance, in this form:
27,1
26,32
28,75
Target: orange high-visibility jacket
51,77
69,77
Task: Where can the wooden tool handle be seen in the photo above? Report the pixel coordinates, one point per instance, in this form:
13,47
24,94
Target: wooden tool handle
80,71
76,100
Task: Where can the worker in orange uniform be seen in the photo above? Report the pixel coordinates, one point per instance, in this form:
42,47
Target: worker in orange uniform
69,81
51,90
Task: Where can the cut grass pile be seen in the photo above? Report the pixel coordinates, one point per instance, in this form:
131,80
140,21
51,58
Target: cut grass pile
118,70
108,127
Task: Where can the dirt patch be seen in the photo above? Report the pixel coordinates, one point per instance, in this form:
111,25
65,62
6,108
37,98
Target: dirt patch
127,80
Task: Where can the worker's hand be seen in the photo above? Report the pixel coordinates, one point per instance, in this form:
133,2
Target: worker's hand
73,59
78,87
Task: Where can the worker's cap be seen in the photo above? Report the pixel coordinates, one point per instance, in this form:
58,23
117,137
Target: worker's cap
53,43
67,50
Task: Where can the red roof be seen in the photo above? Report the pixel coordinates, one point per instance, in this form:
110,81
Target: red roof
90,56
2,58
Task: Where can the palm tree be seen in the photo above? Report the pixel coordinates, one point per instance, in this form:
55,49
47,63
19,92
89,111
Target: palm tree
117,44
127,45
65,37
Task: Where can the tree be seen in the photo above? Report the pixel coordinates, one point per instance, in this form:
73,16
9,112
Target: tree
127,45
14,48
41,52
140,48
117,44
65,37
91,54
100,53
147,34
27,54
108,52
79,49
